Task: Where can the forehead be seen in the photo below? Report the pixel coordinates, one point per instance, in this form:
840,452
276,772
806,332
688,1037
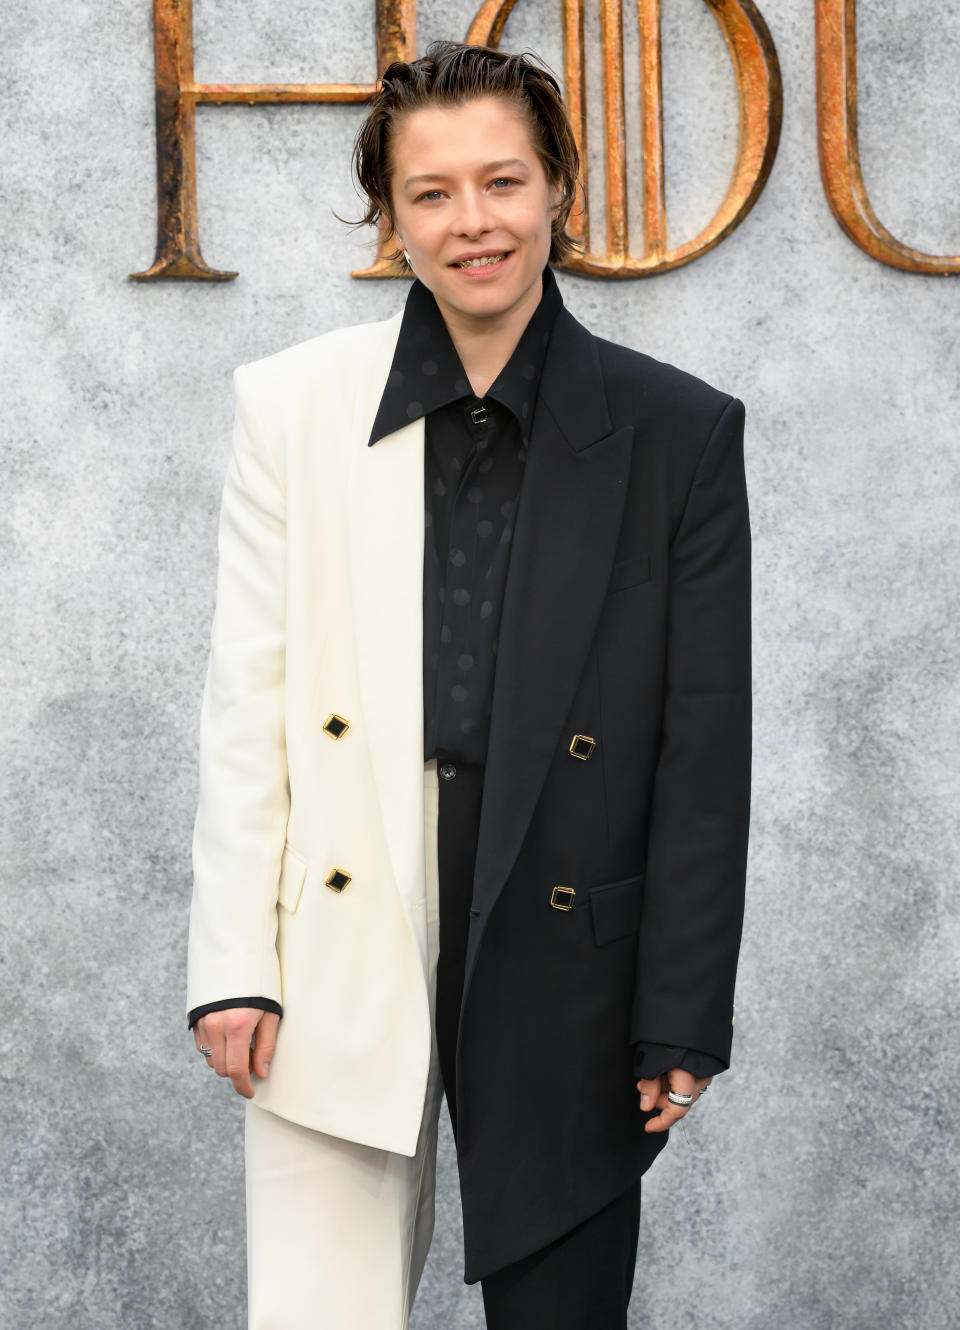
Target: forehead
445,137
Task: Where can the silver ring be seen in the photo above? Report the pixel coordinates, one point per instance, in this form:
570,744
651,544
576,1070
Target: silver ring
704,1089
684,1100
205,1051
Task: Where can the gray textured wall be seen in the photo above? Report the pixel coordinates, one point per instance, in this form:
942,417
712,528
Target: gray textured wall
816,1188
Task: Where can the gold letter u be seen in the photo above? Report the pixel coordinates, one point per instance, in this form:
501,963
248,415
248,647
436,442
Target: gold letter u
840,149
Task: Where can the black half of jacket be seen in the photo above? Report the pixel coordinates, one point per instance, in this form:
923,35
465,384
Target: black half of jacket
474,455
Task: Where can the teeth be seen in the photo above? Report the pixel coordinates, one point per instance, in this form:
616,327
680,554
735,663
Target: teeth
482,263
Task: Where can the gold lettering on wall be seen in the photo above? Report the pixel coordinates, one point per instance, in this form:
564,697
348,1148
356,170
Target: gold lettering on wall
177,97
760,93
839,145
760,96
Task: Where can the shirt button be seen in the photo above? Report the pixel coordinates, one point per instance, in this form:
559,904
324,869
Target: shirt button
448,771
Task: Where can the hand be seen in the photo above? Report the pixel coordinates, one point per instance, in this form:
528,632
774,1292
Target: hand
653,1094
241,1040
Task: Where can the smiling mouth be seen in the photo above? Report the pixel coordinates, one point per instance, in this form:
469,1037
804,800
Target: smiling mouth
488,261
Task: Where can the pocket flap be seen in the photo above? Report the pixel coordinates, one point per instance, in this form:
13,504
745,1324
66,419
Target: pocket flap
616,907
627,572
293,873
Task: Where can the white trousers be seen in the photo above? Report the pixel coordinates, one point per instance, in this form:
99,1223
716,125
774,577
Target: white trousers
338,1233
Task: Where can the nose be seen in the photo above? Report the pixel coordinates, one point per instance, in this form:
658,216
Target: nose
472,216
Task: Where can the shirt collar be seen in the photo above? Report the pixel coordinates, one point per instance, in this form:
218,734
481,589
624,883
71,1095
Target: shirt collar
427,373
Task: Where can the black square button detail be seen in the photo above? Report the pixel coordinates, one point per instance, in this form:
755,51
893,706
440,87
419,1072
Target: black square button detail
336,725
582,746
337,879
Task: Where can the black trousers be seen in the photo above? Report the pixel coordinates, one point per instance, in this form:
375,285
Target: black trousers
583,1279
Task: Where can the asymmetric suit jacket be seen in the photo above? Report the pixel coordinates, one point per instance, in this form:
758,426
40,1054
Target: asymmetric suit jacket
608,892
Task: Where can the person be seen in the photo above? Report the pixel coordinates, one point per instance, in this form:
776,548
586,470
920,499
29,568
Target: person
474,747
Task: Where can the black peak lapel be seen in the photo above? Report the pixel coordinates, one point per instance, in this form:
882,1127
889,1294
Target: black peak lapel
567,524
572,382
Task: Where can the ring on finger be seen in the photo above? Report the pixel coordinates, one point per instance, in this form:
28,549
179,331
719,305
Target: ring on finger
207,1052
683,1100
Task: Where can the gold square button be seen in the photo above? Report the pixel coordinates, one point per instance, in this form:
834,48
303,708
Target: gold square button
582,745
336,725
564,901
337,879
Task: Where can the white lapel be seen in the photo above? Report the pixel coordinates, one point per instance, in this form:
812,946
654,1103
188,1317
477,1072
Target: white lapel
385,526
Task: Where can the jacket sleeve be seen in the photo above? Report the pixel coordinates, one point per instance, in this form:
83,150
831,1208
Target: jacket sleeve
692,915
652,1060
244,794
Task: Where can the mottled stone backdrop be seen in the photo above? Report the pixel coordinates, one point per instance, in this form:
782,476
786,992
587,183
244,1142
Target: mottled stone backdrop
816,1187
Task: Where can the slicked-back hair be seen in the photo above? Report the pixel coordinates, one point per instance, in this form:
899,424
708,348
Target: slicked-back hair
450,74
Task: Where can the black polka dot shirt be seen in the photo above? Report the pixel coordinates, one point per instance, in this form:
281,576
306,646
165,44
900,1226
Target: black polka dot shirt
474,454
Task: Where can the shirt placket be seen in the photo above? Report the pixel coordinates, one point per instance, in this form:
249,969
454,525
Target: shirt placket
459,706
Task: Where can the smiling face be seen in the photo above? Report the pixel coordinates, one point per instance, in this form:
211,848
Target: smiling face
467,181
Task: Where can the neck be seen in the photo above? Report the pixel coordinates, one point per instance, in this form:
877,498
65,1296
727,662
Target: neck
485,344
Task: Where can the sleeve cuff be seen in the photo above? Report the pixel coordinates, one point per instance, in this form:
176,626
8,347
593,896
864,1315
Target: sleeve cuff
652,1060
261,1004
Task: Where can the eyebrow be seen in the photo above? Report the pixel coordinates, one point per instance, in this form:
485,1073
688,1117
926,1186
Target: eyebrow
488,166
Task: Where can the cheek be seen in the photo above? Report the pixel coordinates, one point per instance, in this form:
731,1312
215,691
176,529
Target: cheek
536,220
424,233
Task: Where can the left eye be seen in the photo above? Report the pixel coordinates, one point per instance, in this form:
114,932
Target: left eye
502,179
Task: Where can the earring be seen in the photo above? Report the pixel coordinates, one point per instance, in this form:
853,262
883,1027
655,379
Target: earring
407,257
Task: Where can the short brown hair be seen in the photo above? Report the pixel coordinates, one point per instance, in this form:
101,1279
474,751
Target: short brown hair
450,74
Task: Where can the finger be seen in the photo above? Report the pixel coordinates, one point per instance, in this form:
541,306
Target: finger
237,1059
216,1041
680,1082
223,1026
201,1038
666,1118
650,1091
265,1041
